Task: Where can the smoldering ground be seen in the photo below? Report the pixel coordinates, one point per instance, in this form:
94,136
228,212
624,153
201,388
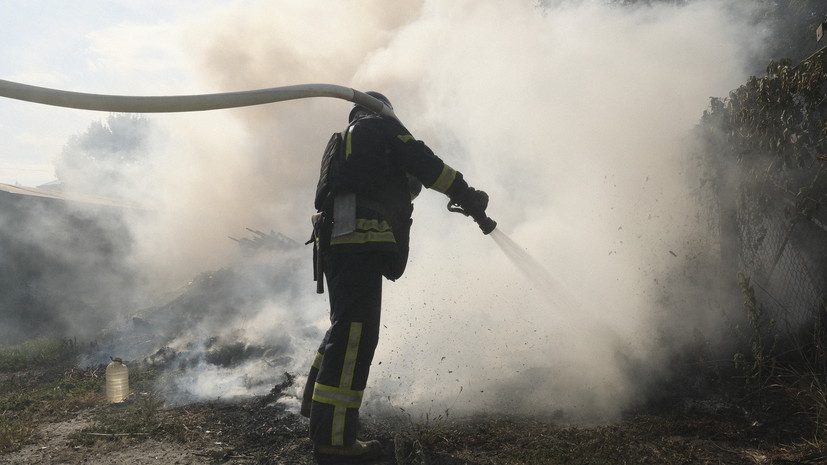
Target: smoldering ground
575,117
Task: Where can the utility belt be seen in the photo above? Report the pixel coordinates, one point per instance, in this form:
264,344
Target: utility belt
333,221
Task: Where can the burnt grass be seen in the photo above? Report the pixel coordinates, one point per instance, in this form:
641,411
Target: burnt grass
687,432
728,423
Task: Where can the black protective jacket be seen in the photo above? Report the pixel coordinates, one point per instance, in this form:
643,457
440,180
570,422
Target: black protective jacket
383,168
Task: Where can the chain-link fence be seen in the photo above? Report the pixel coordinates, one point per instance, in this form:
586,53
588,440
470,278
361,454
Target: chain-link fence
766,170
782,238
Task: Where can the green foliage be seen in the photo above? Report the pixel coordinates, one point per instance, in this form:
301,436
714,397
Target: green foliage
122,139
109,158
42,383
37,353
13,433
766,145
144,413
75,388
783,114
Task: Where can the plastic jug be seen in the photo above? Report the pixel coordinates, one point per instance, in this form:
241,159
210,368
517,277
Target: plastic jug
117,381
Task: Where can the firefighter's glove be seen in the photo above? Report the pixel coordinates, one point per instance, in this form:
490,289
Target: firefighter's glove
473,202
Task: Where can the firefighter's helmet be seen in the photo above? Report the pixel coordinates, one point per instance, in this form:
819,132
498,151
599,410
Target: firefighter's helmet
356,107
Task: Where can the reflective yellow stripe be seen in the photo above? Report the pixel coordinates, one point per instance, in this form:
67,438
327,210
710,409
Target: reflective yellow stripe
445,179
349,367
341,400
348,143
372,225
364,237
317,362
366,231
342,397
337,433
337,396
404,137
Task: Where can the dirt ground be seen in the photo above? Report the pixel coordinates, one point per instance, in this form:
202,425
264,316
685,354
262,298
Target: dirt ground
717,429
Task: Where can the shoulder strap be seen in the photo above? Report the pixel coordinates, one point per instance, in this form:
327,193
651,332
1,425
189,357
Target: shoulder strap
333,150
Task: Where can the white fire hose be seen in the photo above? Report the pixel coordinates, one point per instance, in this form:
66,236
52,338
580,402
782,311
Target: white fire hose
184,103
203,102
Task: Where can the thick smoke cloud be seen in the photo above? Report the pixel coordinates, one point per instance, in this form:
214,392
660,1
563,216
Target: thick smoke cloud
575,118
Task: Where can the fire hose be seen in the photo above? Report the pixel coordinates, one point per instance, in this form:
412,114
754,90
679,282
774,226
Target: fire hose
205,102
185,103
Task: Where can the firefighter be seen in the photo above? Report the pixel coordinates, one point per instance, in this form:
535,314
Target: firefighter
361,235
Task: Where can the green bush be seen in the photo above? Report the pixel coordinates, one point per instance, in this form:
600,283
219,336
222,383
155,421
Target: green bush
37,352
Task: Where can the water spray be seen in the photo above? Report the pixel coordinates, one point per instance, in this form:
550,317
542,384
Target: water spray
525,263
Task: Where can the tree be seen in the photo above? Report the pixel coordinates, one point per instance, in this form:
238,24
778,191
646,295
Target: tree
99,161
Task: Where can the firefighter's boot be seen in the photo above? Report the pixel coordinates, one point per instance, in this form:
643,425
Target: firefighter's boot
358,452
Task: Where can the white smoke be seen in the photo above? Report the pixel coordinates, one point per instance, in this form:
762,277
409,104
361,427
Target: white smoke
574,118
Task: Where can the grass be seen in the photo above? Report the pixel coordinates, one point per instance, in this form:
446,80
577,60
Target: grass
799,372
138,418
412,446
41,383
14,433
37,352
413,443
759,364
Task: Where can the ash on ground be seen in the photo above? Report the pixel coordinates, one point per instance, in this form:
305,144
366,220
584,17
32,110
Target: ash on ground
233,332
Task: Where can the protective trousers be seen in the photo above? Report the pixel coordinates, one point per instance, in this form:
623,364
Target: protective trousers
340,369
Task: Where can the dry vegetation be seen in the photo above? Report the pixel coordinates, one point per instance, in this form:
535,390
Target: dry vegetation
52,411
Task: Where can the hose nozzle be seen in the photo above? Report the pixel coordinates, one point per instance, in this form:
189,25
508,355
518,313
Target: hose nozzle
485,223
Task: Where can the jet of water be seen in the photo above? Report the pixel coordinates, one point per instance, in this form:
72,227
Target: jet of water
537,274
